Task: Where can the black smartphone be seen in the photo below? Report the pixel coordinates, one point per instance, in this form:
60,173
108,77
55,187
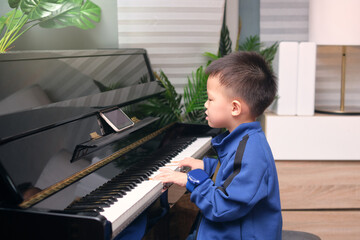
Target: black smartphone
116,119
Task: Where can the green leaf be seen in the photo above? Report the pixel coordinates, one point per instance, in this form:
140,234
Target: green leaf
72,14
270,52
211,55
37,9
252,44
225,41
195,96
14,3
11,19
168,106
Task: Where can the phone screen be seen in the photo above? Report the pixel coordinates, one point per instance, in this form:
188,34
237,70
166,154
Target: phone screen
117,119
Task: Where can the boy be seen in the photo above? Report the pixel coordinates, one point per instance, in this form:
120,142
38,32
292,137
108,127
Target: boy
244,201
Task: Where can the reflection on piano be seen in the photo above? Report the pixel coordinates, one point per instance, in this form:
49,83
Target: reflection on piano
64,173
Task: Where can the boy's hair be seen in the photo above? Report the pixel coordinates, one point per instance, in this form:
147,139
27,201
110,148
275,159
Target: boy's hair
248,76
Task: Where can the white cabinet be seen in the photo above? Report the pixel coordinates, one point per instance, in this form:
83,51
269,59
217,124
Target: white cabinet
318,137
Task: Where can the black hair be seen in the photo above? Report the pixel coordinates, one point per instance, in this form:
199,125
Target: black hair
249,77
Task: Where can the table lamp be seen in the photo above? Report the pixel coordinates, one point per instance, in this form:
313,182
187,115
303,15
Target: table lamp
335,23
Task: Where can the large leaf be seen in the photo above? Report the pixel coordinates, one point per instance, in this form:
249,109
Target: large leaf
73,14
37,9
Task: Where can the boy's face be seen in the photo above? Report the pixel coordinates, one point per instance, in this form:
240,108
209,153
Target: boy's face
218,106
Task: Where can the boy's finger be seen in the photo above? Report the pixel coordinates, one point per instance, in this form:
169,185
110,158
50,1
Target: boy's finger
165,169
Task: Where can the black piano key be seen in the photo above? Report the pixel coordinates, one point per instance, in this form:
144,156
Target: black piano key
117,187
108,193
91,211
105,199
87,208
90,204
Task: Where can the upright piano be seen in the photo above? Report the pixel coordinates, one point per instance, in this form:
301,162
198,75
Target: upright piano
65,171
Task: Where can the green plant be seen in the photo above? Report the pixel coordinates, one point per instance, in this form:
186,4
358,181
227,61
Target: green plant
253,43
195,96
47,14
167,106
225,41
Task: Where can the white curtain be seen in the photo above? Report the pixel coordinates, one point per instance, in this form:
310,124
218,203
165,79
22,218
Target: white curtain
175,33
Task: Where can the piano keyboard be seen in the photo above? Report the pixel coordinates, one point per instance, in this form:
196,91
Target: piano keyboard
127,195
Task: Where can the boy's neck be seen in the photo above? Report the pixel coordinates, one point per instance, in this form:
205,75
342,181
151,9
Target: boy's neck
238,122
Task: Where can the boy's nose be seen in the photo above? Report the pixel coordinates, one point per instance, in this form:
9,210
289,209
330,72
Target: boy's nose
206,103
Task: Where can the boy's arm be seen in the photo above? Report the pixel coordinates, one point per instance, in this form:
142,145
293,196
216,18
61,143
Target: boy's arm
245,190
210,165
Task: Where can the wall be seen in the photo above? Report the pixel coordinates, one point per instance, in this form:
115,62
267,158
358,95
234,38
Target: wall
249,12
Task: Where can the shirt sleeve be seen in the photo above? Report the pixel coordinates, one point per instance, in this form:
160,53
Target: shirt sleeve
210,165
246,189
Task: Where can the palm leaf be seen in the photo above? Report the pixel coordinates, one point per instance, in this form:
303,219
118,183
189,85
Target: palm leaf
211,55
225,41
195,96
251,44
270,52
167,106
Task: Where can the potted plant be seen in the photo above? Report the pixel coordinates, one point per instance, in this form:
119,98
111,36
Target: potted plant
47,14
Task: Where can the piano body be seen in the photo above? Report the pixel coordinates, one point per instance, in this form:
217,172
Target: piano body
64,172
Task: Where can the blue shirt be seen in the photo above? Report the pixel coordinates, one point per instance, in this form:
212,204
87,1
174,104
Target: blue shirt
248,207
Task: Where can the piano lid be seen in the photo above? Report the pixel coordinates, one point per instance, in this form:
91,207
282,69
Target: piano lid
43,89
49,104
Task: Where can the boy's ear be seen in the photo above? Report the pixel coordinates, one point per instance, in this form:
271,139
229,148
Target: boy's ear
235,108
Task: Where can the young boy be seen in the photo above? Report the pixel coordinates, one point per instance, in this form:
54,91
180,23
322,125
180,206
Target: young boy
244,201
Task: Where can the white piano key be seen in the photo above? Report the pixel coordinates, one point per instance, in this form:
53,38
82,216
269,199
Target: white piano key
127,208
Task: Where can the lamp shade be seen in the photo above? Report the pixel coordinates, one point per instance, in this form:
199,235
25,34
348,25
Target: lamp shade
334,22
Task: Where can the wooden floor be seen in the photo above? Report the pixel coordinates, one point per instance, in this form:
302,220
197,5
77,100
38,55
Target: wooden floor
321,197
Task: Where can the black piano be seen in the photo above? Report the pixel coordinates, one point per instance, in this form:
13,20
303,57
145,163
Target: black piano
76,156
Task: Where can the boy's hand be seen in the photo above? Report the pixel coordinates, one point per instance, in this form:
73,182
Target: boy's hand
170,176
192,163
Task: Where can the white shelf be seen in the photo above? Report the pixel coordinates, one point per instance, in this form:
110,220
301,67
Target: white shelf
318,137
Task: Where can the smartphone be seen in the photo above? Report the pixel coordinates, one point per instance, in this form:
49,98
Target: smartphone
116,119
